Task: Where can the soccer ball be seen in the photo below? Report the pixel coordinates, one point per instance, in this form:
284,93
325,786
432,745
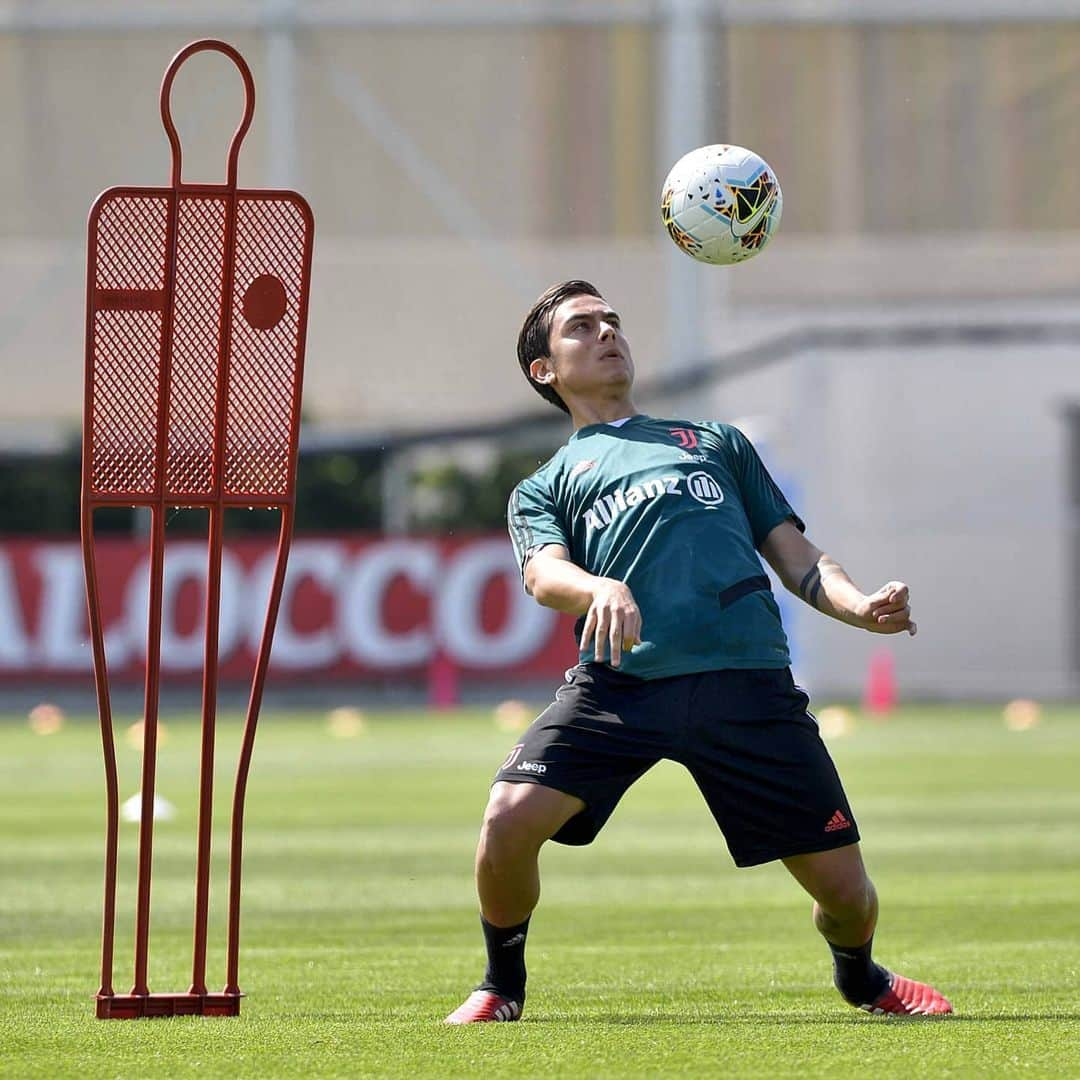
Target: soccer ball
721,204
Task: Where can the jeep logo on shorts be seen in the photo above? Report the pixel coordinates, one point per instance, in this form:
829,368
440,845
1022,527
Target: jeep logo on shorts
537,767
704,488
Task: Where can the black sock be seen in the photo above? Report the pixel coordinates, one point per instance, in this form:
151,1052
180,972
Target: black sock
506,959
856,976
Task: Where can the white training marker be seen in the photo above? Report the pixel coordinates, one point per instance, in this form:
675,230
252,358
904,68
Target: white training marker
131,810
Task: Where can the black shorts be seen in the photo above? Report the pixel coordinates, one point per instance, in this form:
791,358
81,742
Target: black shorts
745,736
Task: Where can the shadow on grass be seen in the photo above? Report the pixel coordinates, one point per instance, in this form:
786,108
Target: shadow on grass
682,1020
784,1019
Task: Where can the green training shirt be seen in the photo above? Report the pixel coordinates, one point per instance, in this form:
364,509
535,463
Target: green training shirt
676,510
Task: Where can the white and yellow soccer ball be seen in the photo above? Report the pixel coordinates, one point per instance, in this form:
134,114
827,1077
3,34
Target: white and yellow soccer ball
721,204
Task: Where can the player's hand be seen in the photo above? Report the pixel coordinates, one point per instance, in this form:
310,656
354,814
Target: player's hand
613,621
888,611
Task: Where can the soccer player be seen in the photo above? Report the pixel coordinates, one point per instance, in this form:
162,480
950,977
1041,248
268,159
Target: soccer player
649,530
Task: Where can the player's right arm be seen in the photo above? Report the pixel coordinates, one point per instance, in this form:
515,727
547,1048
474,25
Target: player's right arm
612,617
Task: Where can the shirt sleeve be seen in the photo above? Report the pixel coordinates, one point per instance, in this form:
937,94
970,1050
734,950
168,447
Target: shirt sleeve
533,520
763,501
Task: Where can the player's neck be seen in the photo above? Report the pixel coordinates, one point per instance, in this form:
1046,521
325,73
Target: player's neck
584,413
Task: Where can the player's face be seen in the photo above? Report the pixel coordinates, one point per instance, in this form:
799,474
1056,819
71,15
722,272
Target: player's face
589,354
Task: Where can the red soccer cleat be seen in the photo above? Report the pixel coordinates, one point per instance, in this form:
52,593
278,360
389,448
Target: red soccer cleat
483,1007
906,997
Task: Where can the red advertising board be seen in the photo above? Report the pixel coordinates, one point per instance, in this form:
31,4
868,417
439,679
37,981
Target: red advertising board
353,608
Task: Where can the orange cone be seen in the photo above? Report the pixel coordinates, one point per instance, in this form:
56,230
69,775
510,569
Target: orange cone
880,695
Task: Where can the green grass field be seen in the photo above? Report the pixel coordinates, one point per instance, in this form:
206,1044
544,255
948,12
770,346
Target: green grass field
650,955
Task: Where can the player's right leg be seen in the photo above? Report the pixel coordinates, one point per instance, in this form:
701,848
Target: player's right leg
561,781
519,819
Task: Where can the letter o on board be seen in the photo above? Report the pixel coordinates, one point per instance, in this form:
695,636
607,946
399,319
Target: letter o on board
459,610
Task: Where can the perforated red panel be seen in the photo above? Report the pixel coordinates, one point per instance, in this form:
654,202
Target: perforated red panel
240,346
263,378
200,253
131,242
126,325
125,389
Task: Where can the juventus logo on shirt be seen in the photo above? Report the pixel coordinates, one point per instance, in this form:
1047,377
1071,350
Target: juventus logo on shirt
686,437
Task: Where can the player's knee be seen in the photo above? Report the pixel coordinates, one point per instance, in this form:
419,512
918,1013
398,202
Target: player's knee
505,832
849,898
515,822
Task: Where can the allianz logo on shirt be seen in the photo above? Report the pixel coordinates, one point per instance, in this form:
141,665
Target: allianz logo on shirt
699,485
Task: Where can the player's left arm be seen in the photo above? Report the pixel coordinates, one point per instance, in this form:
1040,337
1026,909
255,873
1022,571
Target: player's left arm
823,583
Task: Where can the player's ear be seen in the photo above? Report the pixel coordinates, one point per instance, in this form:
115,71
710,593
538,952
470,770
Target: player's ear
541,370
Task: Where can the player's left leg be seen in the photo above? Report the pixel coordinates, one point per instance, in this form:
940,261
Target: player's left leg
845,914
845,900
758,758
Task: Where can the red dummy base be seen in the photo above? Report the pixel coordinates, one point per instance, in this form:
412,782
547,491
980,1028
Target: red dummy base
140,1006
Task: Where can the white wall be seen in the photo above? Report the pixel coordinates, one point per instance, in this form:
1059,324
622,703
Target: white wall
945,467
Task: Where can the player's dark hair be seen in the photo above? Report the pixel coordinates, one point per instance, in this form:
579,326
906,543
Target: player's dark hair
534,341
